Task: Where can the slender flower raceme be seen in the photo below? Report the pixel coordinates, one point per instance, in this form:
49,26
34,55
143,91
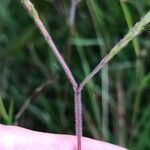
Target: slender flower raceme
78,88
33,13
137,29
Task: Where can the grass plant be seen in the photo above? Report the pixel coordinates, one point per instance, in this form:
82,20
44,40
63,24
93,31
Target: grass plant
104,110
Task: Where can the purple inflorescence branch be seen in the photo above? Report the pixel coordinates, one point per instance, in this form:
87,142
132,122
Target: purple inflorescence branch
33,13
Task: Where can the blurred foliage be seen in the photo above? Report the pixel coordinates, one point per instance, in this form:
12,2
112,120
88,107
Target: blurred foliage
122,87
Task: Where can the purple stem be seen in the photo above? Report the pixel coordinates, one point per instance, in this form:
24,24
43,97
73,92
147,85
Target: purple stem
78,116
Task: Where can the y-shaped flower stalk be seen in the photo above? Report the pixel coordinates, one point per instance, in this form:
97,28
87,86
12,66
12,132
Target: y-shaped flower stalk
77,88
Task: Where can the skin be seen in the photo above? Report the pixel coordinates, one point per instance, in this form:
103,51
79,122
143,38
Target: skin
14,138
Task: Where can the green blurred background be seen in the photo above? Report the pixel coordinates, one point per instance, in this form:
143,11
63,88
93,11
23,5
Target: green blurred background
116,106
